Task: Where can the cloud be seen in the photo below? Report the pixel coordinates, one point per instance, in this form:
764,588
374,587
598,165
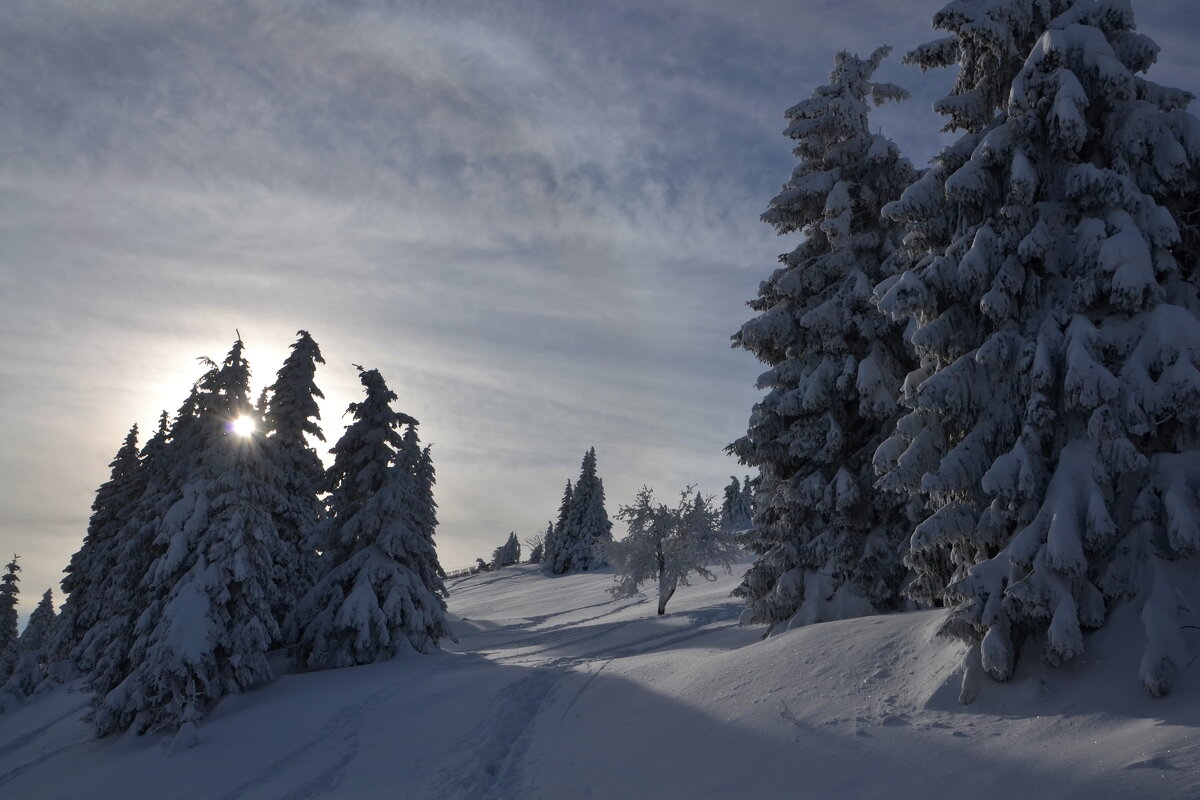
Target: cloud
539,220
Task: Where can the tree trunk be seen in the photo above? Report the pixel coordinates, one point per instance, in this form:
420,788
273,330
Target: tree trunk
666,588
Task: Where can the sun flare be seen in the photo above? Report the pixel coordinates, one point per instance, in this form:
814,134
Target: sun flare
242,426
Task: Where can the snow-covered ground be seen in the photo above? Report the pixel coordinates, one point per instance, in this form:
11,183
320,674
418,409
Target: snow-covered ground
554,690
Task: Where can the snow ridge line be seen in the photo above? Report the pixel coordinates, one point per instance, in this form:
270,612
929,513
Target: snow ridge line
655,639
514,635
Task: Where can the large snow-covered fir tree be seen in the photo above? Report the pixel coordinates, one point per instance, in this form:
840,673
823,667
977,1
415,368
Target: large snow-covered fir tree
587,527
33,648
1053,420
90,567
828,543
214,587
9,593
291,415
382,594
669,545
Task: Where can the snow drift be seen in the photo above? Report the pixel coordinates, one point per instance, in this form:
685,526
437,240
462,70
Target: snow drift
554,690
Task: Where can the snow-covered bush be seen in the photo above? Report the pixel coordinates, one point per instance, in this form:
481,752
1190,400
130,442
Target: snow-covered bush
537,544
508,553
668,545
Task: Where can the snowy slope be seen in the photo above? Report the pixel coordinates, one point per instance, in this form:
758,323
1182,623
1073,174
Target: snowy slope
556,691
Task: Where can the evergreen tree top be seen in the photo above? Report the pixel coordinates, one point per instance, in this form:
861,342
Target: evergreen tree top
988,41
8,616
39,627
153,448
588,467
129,445
376,407
369,445
122,469
833,193
8,587
849,87
232,385
113,500
293,411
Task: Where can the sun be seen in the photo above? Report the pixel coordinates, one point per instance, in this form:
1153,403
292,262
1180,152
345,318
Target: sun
242,426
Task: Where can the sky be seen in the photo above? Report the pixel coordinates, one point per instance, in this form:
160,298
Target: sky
538,220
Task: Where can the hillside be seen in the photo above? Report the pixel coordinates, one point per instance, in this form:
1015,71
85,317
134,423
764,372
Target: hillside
554,690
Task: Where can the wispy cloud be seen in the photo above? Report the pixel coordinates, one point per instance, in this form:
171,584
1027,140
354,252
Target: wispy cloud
539,220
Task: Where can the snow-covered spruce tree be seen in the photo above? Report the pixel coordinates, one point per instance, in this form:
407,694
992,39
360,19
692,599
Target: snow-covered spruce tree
211,624
96,558
668,545
989,40
134,600
587,527
9,592
291,415
33,649
1053,423
828,543
417,461
103,652
508,553
737,510
426,511
554,535
382,594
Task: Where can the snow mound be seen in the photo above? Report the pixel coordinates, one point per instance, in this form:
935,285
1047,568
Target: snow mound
554,690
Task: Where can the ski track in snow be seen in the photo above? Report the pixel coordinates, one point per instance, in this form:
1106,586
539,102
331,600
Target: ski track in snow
498,745
855,699
35,734
31,737
579,692
316,750
13,773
